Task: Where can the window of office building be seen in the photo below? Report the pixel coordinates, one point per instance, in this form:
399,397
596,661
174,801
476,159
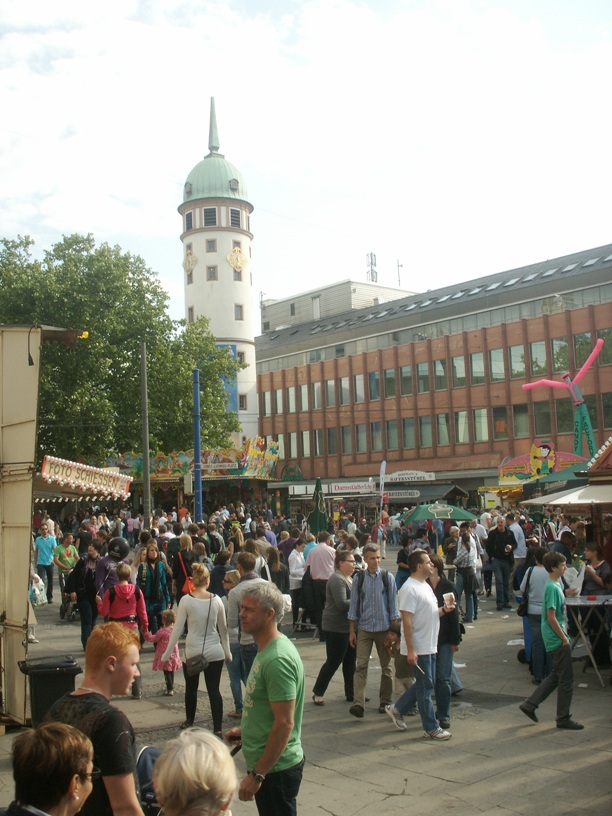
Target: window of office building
390,384
406,380
358,389
347,439
425,435
291,399
496,365
477,373
520,420
516,358
361,440
582,348
458,366
408,433
318,442
281,446
376,436
440,378
267,403
345,391
392,437
332,441
422,377
462,428
537,356
374,385
591,403
291,446
500,422
560,354
606,404
303,392
564,414
278,400
605,355
305,444
541,417
316,396
481,426
330,393
443,429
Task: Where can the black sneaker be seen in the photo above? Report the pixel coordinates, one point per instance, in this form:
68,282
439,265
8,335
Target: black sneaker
444,723
570,725
529,712
356,710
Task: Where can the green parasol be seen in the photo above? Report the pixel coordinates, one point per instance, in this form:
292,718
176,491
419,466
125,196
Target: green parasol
437,511
318,520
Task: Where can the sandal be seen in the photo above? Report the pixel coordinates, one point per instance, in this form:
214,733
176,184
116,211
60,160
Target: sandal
318,701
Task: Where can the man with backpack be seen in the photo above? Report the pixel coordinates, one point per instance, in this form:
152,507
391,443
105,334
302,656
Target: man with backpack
373,607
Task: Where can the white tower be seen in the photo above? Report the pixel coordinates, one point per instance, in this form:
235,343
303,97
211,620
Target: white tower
216,242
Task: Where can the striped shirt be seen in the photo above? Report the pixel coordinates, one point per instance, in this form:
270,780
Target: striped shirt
371,611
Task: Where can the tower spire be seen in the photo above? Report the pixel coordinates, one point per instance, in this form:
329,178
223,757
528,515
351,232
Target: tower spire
213,135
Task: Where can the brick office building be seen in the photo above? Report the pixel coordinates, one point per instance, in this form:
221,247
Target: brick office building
432,382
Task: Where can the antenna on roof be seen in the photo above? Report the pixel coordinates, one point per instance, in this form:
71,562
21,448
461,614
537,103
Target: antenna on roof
371,274
399,266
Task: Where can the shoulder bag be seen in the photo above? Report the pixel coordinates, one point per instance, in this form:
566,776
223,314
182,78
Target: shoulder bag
521,609
197,664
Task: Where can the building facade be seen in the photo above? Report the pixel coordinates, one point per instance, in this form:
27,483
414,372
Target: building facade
433,382
216,238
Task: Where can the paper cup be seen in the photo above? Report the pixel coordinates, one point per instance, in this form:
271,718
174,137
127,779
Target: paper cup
449,599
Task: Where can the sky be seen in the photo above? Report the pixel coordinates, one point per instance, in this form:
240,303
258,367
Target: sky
457,138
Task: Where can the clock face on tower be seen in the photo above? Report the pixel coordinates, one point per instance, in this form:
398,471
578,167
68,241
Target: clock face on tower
238,259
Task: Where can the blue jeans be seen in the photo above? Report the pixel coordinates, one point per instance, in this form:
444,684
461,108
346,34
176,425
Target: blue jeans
444,667
88,612
502,570
236,675
278,792
470,610
45,573
247,656
541,660
420,693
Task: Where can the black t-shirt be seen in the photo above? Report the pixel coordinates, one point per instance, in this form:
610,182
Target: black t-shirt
112,737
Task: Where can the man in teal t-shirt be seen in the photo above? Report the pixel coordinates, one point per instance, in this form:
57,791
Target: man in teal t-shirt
556,641
273,704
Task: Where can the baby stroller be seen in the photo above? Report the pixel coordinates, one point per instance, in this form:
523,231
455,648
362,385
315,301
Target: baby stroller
145,763
68,609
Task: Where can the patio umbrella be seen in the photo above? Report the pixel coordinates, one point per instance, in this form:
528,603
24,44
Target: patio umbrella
318,519
437,511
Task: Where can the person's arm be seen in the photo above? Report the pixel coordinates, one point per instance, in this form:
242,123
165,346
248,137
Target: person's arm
179,626
392,590
278,738
122,795
233,609
141,613
407,627
554,625
104,604
222,627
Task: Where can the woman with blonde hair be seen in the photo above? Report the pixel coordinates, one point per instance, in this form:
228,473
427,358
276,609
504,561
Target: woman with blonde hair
207,636
195,776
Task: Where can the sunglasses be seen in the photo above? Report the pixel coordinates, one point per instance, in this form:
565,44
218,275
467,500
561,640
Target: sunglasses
94,774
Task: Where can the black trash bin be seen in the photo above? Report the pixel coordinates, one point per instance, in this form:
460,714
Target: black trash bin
50,678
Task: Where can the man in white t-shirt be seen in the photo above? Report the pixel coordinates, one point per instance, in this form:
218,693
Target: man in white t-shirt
420,626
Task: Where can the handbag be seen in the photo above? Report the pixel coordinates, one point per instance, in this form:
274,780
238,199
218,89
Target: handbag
521,609
187,587
199,663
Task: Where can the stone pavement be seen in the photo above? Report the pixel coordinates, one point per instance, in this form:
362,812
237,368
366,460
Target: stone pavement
497,762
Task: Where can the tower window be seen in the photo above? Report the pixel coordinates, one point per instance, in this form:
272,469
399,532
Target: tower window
190,317
211,245
238,311
188,221
236,245
237,275
210,216
235,218
242,402
189,278
211,273
240,356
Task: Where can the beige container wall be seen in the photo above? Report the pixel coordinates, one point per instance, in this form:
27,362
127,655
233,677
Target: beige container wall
19,382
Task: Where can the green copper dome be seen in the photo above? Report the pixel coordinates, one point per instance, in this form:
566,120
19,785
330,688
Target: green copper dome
214,176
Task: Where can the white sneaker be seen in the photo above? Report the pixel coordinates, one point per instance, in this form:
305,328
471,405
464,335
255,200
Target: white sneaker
395,717
439,734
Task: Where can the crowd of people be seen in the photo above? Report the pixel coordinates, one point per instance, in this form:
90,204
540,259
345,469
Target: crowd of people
226,582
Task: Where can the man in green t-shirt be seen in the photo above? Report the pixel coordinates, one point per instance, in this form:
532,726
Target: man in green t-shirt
270,732
556,641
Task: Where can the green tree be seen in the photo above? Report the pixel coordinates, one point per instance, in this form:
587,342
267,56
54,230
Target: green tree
90,395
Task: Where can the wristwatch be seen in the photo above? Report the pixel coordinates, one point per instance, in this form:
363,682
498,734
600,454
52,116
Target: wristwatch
259,778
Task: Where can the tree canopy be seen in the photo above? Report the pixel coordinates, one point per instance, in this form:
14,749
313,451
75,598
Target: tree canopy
90,394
